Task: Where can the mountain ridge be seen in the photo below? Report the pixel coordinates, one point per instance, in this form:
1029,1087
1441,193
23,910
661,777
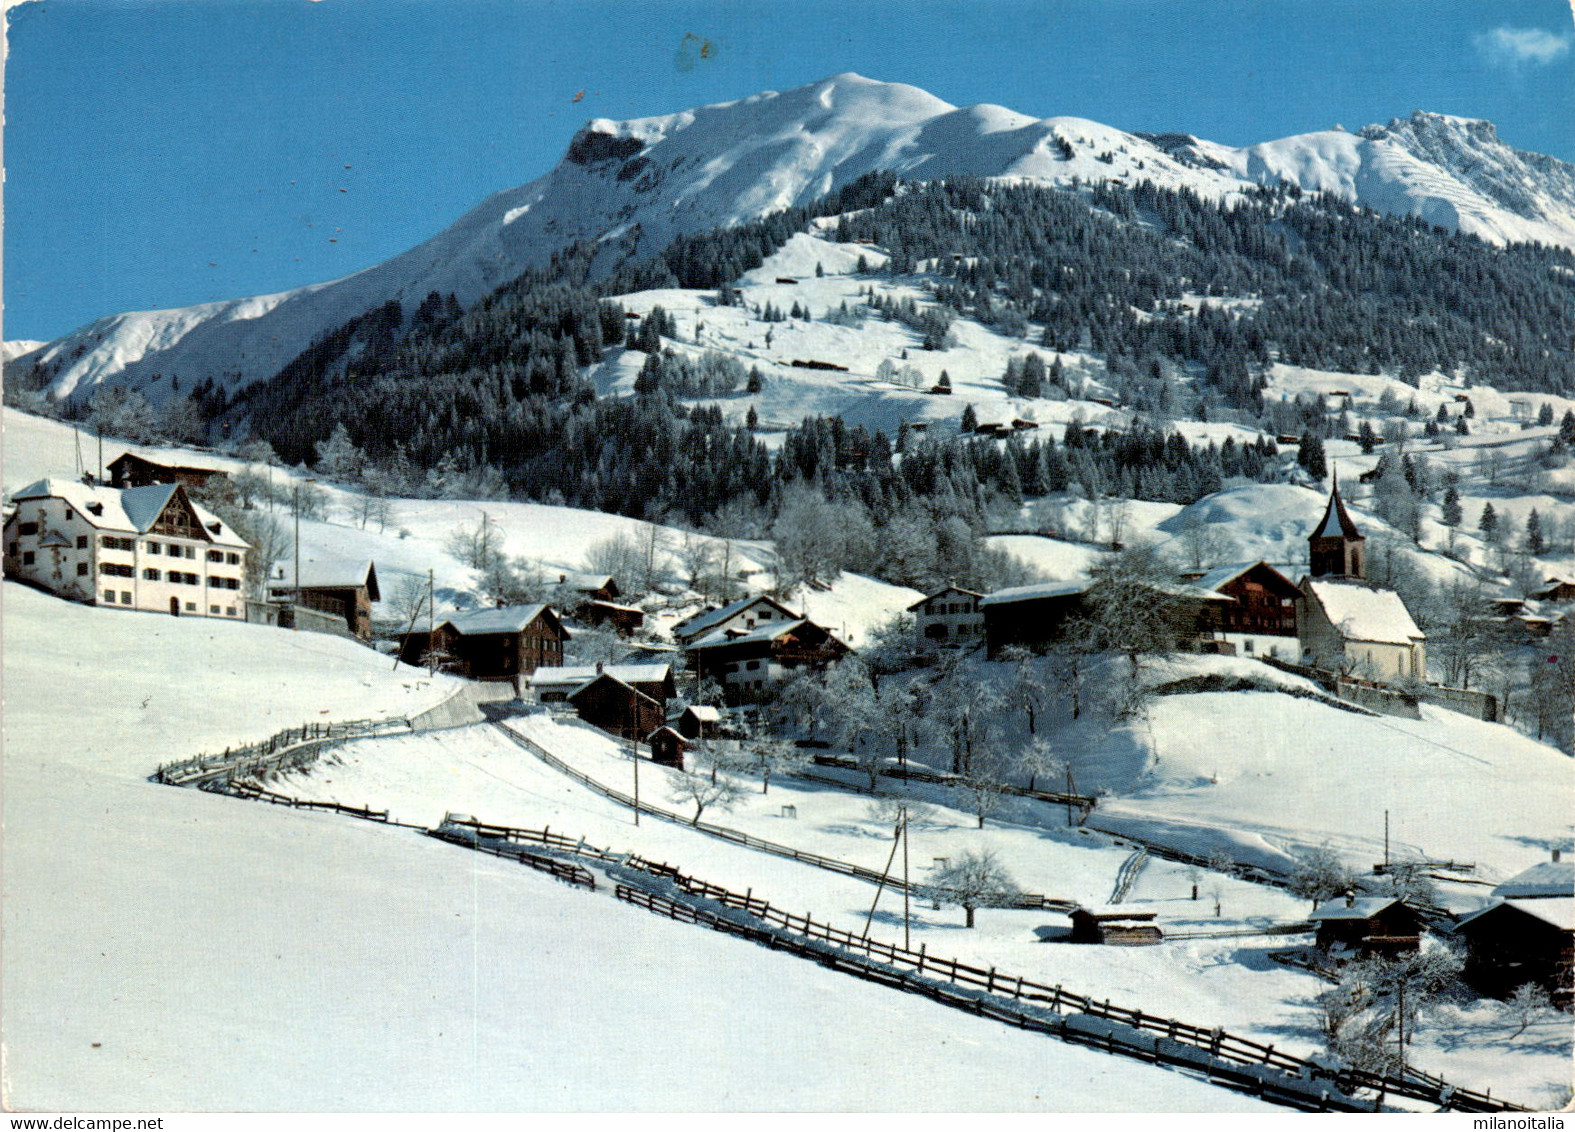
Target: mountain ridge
636,184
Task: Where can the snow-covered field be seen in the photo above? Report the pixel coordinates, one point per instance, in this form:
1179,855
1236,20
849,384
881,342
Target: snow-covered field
1229,982
172,950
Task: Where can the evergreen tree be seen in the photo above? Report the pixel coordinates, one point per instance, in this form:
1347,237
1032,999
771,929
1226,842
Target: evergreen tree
969,421
1545,414
1311,456
1488,524
1367,438
1536,543
1451,511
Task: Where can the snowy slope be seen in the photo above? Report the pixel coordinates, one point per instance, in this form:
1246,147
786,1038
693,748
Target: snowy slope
172,950
636,184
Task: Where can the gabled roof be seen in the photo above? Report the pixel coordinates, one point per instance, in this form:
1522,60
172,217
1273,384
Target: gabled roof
609,678
669,730
1362,908
701,622
1336,522
1219,576
133,510
504,619
132,457
1549,878
1361,611
554,677
330,574
1559,911
703,713
587,583
948,590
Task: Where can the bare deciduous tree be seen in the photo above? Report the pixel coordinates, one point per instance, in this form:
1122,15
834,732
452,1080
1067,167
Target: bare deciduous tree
974,880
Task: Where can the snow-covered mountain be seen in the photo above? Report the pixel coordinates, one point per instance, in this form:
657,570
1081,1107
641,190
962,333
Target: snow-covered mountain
638,183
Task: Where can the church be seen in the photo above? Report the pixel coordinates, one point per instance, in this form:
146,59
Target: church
1345,623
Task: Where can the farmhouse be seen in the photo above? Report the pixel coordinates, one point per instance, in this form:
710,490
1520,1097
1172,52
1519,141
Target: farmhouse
150,548
344,590
1556,589
1516,941
949,618
505,643
745,661
1367,925
1260,618
1347,624
131,470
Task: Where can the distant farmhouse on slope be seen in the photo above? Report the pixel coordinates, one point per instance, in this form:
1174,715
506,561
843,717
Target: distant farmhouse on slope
149,548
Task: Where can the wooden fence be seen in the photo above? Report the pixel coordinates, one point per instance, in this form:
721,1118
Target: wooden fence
1082,802
291,749
831,864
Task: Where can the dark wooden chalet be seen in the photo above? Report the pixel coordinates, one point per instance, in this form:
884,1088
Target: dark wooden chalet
1522,940
1557,589
1113,925
667,747
623,619
1031,617
607,702
1260,613
505,643
131,470
340,589
1367,925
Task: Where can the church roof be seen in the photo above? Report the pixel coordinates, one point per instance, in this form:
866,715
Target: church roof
1337,521
1361,611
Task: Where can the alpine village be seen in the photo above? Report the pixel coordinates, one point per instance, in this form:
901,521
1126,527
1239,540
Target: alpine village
1120,616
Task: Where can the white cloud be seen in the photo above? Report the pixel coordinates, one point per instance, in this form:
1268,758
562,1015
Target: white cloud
1522,46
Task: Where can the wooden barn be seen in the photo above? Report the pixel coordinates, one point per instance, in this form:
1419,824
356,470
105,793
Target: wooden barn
700,721
1031,617
345,590
667,747
1556,589
505,643
1525,934
618,708
555,684
1114,925
622,619
1367,925
131,470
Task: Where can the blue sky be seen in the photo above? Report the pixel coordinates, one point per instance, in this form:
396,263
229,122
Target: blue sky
167,152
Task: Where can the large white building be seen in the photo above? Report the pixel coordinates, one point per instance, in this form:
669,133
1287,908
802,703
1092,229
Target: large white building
150,548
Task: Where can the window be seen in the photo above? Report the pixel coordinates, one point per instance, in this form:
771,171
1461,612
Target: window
111,542
82,542
70,514
27,557
232,559
215,556
125,597
25,529
116,570
109,596
191,551
153,548
82,569
191,607
213,610
230,612
150,575
752,665
232,583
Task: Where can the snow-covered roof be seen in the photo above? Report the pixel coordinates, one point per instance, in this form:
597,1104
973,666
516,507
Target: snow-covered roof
1361,611
584,673
705,713
586,583
132,509
1035,592
1362,908
614,605
1550,878
1222,575
325,573
700,622
770,631
1556,910
503,619
608,677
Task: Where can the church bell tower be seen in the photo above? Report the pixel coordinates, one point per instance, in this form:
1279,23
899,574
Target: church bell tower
1335,547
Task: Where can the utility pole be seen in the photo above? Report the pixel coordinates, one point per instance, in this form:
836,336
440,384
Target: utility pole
1386,839
431,651
907,942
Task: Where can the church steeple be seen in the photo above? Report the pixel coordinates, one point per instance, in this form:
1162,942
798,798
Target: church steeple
1335,546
